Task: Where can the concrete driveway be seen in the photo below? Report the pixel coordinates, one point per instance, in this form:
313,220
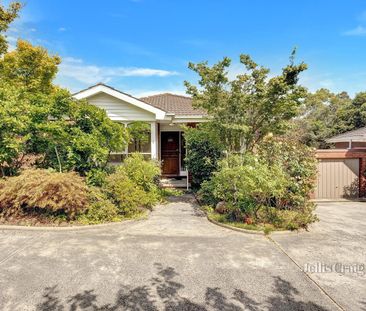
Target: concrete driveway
177,260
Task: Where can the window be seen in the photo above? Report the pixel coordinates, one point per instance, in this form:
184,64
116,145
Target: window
140,137
140,141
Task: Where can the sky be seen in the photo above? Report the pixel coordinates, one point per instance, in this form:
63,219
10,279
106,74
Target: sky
142,47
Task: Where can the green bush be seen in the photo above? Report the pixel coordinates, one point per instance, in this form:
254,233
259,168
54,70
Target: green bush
300,165
273,186
97,177
245,183
126,194
99,210
44,191
203,153
145,173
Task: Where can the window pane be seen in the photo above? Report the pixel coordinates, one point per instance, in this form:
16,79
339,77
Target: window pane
140,137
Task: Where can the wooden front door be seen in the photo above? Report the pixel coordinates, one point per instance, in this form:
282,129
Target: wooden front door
170,153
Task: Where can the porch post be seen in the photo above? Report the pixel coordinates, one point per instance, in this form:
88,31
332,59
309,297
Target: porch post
154,140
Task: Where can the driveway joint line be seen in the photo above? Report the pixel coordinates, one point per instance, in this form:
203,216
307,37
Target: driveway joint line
306,274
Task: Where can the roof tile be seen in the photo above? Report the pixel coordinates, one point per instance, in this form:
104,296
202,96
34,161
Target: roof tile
178,104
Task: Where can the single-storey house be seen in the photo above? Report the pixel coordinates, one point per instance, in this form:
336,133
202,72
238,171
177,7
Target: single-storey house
166,113
342,169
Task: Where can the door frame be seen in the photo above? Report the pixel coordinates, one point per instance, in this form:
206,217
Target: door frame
180,172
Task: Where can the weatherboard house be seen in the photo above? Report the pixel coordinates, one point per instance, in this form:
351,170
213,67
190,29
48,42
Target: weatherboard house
166,113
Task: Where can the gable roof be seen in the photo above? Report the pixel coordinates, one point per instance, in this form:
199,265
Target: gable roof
103,88
176,104
355,135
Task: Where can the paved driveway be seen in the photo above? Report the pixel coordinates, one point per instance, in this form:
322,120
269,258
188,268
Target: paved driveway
177,260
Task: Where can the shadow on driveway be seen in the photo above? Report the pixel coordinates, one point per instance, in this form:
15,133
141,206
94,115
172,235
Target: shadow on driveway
162,293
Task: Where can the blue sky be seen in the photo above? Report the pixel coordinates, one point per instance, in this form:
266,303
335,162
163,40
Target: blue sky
143,46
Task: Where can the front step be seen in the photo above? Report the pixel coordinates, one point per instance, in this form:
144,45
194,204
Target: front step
174,182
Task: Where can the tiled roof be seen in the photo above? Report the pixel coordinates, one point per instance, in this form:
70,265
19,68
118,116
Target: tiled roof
178,104
355,135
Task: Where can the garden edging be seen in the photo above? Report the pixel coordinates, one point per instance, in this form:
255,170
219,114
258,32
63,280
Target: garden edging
234,228
72,228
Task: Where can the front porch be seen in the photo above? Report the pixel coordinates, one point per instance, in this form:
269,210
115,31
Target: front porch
163,142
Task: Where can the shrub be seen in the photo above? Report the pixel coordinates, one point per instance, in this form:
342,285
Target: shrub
299,163
203,153
126,194
99,210
97,177
245,184
272,186
145,173
44,191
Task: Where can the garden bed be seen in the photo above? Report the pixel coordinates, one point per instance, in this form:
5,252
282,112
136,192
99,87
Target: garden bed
222,220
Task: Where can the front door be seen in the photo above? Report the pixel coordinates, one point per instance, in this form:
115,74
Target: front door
170,153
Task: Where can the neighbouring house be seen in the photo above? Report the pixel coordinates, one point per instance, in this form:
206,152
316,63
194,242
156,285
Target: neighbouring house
341,170
165,113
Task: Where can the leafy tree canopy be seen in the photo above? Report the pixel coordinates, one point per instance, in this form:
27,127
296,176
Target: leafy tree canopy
246,109
40,123
7,15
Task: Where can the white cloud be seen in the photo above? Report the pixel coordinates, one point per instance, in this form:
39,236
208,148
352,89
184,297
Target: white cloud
62,29
89,74
358,31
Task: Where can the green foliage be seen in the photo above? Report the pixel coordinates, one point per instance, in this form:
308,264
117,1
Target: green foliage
96,177
352,115
321,117
134,185
29,67
143,173
325,114
99,210
45,191
245,184
272,186
7,16
14,123
139,134
203,153
299,164
246,109
36,117
125,194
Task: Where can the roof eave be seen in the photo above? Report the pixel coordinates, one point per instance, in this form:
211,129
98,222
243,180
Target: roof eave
101,88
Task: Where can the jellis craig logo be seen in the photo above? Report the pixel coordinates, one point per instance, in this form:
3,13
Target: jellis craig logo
341,268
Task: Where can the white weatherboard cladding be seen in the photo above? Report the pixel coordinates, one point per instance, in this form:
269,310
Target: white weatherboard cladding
120,110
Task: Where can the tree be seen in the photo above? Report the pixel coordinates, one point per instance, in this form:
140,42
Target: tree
246,109
6,17
352,115
318,119
30,68
41,120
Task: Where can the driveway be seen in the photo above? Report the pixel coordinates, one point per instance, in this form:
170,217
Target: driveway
177,260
